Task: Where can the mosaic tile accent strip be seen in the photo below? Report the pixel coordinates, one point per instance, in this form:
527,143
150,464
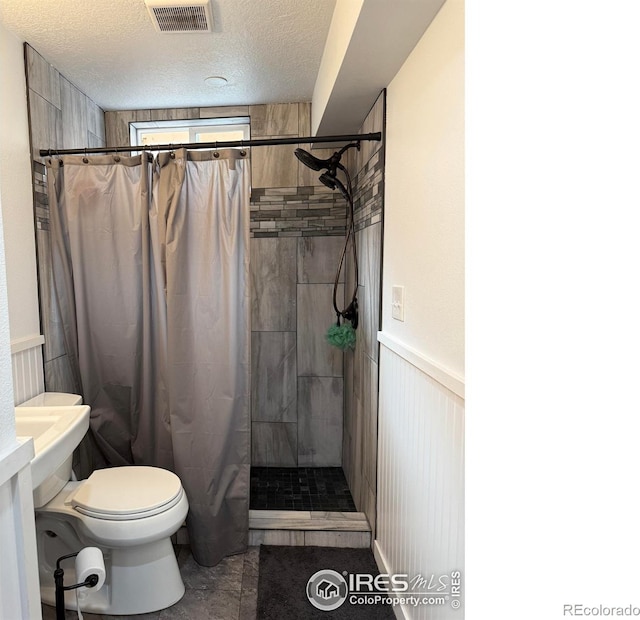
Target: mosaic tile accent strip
300,488
40,195
369,192
306,211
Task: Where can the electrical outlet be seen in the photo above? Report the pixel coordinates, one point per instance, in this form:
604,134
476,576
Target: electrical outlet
397,302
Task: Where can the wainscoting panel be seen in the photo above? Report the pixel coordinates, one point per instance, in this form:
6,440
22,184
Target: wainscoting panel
420,526
27,367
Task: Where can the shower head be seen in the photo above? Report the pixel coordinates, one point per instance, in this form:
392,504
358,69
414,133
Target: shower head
330,164
312,162
328,180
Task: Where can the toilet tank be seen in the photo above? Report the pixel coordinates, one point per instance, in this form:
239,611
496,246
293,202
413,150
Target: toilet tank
52,399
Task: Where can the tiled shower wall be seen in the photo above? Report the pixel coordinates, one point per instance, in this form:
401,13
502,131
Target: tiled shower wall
60,117
360,442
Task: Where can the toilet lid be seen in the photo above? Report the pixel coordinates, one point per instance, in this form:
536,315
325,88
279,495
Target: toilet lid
120,493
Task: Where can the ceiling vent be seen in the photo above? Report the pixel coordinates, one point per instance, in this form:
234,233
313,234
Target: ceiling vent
180,15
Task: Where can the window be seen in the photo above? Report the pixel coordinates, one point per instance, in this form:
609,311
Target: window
147,133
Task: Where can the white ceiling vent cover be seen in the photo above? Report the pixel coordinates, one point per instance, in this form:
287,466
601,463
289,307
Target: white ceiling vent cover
180,15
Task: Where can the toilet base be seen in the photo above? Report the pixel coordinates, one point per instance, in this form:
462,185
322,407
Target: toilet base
156,587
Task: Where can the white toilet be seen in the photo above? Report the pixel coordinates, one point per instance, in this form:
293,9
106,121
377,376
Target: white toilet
130,513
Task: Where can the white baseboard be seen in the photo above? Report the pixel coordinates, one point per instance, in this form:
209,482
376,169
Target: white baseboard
384,568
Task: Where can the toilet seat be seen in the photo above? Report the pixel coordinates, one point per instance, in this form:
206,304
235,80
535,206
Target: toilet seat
127,493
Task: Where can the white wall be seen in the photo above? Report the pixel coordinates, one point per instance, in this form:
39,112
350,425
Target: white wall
7,422
421,401
424,194
19,589
16,192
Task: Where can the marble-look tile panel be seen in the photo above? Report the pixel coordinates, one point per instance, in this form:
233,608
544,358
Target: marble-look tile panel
45,121
95,119
227,575
94,141
372,123
74,116
274,166
369,420
42,77
369,508
117,127
173,114
316,357
249,602
316,521
251,561
357,483
273,284
141,115
274,515
332,515
304,118
337,539
274,444
371,271
204,605
372,438
349,403
271,120
224,111
273,377
289,538
319,421
318,259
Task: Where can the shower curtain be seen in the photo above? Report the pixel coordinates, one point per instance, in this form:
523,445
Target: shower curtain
151,272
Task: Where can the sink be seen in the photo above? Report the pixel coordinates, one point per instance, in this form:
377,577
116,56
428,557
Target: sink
56,432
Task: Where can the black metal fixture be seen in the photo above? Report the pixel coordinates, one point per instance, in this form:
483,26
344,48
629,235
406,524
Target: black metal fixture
330,178
58,576
375,136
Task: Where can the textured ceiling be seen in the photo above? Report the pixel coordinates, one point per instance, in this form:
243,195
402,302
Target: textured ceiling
269,51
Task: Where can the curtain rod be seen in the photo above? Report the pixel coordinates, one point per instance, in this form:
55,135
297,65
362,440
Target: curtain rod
377,136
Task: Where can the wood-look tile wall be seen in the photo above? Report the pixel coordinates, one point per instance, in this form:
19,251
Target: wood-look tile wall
297,232
360,436
60,117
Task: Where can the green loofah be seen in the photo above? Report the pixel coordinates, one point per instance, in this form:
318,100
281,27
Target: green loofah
342,336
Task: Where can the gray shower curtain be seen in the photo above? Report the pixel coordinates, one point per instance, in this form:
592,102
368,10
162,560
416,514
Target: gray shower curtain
151,272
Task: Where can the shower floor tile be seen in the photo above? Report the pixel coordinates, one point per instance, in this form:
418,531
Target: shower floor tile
300,488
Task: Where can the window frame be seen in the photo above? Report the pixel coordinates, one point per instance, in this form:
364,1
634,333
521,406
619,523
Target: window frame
137,129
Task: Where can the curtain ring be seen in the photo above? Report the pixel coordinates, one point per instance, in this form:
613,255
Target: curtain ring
85,159
215,152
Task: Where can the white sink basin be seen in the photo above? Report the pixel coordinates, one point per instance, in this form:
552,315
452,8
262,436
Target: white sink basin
56,433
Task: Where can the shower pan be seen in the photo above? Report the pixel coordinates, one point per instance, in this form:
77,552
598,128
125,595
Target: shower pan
300,488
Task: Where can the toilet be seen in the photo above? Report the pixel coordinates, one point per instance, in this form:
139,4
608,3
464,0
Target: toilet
129,513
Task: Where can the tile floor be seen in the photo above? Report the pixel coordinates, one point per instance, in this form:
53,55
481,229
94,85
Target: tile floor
228,591
300,488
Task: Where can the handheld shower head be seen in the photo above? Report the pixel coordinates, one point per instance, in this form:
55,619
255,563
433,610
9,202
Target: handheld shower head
330,179
312,162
